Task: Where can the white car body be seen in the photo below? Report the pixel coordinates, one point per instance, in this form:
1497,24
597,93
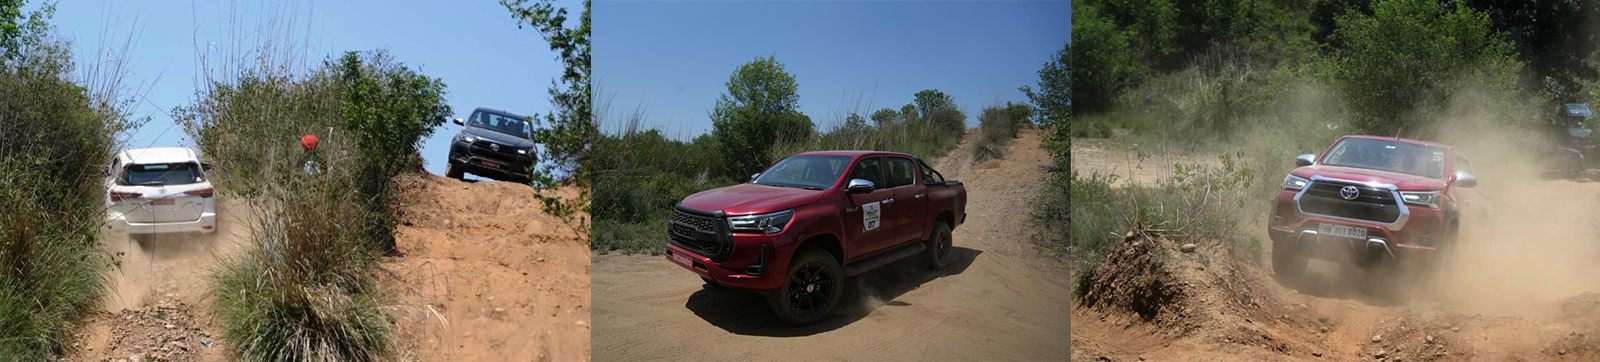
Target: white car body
160,190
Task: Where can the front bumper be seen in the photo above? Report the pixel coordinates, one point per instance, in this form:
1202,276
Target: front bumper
206,224
756,263
490,164
1412,241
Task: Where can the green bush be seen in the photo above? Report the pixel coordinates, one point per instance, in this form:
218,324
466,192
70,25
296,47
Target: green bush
54,150
997,126
306,290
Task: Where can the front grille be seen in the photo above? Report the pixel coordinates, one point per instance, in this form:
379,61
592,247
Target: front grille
1370,204
486,148
700,234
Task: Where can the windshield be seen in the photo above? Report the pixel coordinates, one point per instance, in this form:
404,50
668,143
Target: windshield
807,172
503,124
160,174
1385,155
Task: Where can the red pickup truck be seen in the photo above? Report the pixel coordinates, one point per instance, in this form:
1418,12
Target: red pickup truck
798,229
1369,200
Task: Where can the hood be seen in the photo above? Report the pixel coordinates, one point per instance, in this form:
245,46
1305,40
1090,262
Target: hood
746,199
1405,182
497,137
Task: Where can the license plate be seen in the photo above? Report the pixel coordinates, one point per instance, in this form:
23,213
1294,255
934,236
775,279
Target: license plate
682,260
489,164
162,202
1342,231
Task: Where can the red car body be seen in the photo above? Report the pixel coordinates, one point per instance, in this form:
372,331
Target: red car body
1322,219
829,219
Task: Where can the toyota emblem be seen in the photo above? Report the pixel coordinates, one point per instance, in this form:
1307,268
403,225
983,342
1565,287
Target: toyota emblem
1349,192
494,146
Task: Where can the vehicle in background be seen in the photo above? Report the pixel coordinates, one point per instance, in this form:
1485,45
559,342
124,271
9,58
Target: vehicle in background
493,144
1372,201
797,230
160,190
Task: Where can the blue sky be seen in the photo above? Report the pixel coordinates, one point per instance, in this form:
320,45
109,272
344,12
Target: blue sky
672,58
474,46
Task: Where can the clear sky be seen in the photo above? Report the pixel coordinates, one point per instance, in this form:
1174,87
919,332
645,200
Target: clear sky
672,58
474,46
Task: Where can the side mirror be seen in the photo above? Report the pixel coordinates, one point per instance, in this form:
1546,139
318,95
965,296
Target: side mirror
859,186
1465,179
1305,160
461,121
206,166
754,175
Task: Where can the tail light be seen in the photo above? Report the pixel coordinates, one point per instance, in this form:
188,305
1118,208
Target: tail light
119,196
205,192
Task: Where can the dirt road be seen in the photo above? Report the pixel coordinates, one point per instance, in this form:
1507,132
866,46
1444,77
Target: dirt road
1001,299
156,307
487,276
1522,289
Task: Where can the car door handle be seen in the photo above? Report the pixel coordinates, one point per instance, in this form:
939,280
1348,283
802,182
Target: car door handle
918,196
888,201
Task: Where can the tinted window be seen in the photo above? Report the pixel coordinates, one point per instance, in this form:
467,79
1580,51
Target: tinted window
870,169
1462,165
1387,155
900,172
503,124
158,174
809,172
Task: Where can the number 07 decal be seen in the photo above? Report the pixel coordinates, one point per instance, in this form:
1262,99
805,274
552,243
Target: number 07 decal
869,215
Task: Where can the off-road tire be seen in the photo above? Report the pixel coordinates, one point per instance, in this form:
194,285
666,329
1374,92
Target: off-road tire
814,277
453,171
1287,262
940,247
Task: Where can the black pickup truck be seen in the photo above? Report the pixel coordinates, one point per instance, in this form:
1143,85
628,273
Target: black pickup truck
493,144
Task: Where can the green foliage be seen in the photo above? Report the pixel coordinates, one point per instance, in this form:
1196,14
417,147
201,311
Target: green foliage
997,126
572,129
307,290
760,108
1054,97
1399,80
57,141
884,116
1103,64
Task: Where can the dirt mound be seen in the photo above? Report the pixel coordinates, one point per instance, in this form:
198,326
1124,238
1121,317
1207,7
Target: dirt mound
1135,277
487,276
165,330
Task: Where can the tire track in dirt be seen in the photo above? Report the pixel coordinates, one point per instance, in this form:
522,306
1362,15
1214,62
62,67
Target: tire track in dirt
1519,292
1003,299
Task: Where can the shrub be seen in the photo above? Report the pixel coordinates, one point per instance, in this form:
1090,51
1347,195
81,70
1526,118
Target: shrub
54,150
761,108
997,126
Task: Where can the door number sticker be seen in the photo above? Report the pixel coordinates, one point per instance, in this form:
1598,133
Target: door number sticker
869,215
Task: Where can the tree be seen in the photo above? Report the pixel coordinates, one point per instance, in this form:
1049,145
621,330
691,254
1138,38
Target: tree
1054,98
1102,62
908,113
1393,82
884,116
761,108
571,127
929,101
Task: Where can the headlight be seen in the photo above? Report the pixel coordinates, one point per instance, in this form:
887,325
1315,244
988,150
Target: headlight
469,139
764,223
1423,198
522,152
1293,182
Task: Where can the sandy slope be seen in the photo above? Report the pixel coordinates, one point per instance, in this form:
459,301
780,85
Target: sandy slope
486,276
1522,289
1001,300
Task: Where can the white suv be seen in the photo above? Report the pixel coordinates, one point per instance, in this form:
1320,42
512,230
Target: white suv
160,190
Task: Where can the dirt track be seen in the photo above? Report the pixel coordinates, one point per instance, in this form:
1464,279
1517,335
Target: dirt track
485,276
1522,290
1001,299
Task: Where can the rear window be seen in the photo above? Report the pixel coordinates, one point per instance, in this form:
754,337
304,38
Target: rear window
160,174
900,173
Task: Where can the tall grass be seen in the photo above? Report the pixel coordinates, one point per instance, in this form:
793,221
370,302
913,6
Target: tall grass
996,127
57,138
